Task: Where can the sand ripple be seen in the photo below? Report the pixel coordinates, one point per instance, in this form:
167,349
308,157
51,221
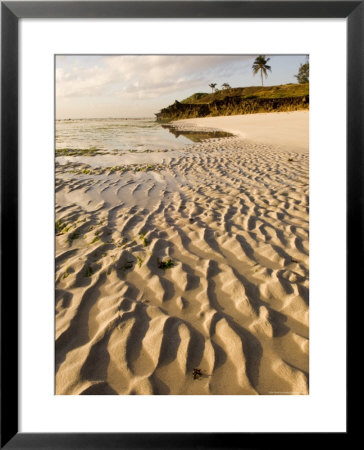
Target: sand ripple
233,220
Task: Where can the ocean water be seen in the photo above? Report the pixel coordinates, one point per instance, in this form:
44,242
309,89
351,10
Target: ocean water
125,134
117,134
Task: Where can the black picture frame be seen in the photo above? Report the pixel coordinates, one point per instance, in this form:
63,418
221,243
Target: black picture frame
11,12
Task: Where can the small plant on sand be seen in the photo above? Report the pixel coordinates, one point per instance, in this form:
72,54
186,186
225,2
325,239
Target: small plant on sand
117,168
62,228
197,374
73,236
95,239
144,240
140,261
88,271
126,266
59,226
145,168
77,151
164,265
65,229
66,274
290,159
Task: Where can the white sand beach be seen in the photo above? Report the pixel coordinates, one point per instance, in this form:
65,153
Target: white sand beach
187,271
286,130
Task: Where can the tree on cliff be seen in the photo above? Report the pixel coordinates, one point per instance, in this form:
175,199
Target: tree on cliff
260,64
212,86
226,86
303,73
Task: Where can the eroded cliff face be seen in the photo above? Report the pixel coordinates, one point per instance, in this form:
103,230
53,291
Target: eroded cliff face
231,106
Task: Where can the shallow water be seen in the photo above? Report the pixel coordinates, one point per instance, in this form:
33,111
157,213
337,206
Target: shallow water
116,134
125,134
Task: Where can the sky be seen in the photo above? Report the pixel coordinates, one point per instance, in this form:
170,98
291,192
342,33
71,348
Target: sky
105,86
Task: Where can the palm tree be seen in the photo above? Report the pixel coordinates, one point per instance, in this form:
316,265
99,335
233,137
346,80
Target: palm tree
260,63
226,86
212,86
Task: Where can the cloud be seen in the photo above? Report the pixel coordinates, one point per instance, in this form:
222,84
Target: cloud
139,76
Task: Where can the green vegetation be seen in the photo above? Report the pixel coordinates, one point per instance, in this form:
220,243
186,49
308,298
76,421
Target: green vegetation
303,73
260,64
66,274
144,240
88,271
121,169
140,261
77,151
278,91
95,239
247,100
213,86
117,168
145,168
194,98
73,236
60,227
164,265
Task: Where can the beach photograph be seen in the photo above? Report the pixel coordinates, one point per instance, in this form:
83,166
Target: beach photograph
182,224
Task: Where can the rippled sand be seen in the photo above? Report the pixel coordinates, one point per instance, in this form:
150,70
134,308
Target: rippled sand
230,316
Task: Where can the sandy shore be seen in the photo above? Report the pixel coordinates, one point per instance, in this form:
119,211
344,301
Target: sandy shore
190,276
285,130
